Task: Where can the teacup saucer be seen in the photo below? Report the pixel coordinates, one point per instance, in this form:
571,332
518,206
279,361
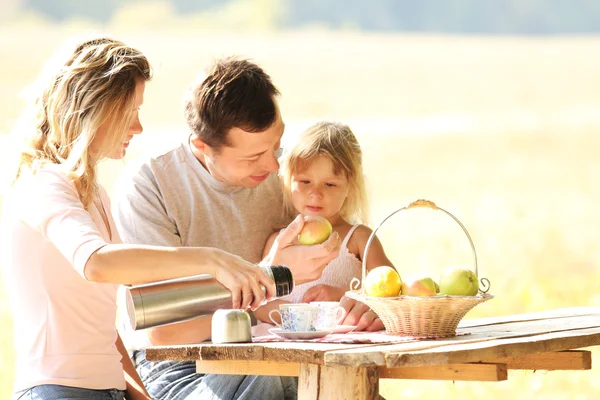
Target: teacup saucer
299,335
344,328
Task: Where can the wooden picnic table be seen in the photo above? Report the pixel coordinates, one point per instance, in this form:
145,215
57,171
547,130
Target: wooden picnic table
537,341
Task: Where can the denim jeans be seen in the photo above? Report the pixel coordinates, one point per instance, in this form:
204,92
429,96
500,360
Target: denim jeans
59,392
170,380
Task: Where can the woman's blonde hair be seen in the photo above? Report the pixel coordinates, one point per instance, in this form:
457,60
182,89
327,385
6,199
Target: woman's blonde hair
73,98
337,142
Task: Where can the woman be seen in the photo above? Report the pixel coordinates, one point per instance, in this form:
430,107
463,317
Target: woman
61,254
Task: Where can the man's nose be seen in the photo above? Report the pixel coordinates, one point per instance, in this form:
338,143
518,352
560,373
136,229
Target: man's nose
271,163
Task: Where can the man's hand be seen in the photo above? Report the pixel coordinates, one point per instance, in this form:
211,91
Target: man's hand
360,315
305,262
322,292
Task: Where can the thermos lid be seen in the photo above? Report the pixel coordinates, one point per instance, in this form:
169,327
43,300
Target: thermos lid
284,280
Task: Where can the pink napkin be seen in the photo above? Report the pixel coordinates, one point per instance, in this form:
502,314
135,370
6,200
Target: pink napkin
352,338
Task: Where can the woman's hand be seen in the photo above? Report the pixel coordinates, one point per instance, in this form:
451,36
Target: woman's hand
242,278
322,292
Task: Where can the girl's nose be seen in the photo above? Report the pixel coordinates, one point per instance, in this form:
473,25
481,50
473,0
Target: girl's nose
316,193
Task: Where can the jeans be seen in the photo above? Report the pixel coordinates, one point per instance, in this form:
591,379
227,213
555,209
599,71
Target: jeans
170,380
59,392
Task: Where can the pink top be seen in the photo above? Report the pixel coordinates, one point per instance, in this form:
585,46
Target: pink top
64,326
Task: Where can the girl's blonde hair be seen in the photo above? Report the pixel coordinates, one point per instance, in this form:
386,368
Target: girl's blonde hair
337,142
95,84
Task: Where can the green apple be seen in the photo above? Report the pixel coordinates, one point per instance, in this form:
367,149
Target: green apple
459,281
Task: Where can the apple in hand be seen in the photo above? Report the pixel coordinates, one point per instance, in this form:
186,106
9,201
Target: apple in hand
316,230
459,281
418,287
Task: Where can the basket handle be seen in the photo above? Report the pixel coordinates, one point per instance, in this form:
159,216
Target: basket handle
485,283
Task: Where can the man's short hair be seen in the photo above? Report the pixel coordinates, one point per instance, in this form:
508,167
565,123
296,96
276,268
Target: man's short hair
234,93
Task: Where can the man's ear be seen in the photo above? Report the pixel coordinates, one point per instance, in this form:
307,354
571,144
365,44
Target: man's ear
200,146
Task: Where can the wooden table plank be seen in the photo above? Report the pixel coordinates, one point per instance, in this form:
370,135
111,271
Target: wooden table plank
491,370
274,351
509,347
248,367
380,355
553,361
551,314
486,372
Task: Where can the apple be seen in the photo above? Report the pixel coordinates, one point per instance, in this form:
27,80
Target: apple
316,230
383,281
459,281
419,287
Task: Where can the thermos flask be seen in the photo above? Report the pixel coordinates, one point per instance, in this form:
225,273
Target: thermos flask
183,299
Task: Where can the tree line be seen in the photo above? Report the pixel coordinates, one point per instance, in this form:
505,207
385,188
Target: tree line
443,16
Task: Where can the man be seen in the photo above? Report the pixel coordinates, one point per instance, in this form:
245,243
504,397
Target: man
219,189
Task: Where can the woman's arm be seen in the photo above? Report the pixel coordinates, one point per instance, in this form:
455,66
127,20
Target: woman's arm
135,387
51,205
134,264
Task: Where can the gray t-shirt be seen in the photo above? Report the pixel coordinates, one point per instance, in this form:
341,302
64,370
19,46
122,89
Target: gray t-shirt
172,200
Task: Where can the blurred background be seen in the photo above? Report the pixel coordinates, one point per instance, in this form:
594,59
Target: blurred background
490,108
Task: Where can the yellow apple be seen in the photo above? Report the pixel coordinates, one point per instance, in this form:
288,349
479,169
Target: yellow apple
316,230
419,287
459,281
383,281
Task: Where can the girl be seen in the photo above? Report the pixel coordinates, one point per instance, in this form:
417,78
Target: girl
61,254
322,176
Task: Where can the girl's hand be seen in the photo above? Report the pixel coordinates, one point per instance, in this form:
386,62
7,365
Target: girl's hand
360,315
322,292
242,278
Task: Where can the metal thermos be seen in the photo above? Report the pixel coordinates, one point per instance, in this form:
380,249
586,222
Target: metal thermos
182,299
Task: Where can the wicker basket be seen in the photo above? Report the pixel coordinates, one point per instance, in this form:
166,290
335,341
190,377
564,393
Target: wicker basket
424,317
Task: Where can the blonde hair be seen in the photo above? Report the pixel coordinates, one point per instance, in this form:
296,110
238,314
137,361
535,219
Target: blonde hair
75,96
337,142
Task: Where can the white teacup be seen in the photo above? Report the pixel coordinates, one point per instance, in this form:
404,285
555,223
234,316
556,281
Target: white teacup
330,314
296,317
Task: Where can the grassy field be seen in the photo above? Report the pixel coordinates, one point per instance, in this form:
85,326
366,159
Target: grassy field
502,132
